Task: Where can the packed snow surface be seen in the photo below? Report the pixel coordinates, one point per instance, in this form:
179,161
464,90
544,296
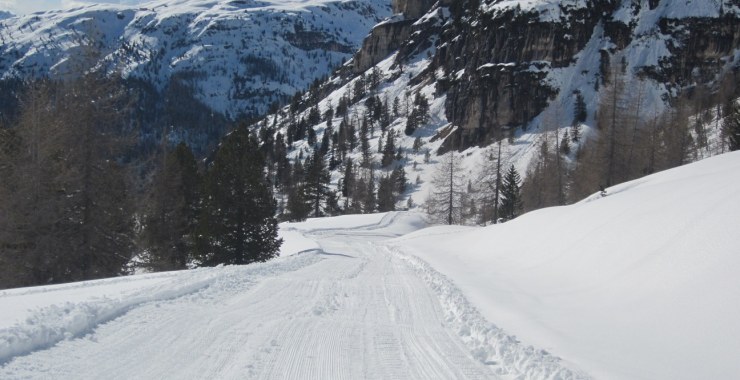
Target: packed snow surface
343,307
639,284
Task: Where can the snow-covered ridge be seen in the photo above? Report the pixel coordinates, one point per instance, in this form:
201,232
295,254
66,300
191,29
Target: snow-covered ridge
239,55
552,10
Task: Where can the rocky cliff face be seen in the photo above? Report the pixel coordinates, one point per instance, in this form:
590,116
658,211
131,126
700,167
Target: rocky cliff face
504,61
388,36
508,66
412,9
382,41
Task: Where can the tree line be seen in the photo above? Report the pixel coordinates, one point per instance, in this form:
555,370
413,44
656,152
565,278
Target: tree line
75,206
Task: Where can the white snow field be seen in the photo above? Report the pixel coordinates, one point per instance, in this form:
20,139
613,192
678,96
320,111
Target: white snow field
640,284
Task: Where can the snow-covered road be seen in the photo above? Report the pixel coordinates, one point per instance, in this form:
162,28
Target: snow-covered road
352,310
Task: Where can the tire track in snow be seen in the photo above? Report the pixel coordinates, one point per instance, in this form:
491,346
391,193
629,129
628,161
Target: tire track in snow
503,353
50,325
355,310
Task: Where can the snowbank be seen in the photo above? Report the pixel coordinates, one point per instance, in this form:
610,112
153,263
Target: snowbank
640,284
37,318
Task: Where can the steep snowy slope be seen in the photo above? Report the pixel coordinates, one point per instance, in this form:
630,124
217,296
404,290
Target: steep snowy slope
640,284
240,56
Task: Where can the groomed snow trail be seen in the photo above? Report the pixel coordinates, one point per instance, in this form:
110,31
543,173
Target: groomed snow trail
358,311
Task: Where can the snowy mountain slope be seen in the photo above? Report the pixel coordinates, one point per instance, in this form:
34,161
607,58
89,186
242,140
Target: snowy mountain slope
347,308
239,56
512,72
640,284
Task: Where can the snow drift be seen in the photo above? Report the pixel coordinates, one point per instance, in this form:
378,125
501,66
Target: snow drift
639,284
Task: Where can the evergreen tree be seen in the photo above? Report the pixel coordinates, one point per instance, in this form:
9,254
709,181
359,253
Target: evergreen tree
565,144
731,127
389,150
419,115
511,203
237,225
171,217
386,196
580,112
314,116
368,195
317,183
348,181
67,212
417,145
298,207
399,180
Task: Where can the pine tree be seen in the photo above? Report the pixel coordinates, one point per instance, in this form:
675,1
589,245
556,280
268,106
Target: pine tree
565,144
580,112
348,181
317,183
171,217
419,115
731,128
399,180
389,150
386,196
511,203
298,207
368,196
68,215
237,225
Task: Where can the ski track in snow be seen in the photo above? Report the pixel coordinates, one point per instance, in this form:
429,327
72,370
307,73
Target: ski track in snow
355,309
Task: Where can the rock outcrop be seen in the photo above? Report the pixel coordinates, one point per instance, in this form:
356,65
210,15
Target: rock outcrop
382,41
388,36
412,9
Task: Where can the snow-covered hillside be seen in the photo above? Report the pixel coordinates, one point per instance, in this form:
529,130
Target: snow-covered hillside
514,72
639,284
240,56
